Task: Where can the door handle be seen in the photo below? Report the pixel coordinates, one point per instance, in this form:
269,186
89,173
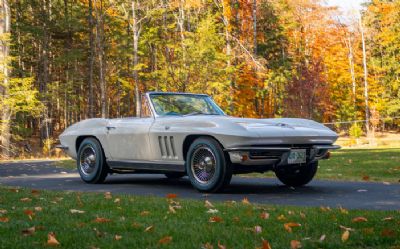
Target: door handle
110,127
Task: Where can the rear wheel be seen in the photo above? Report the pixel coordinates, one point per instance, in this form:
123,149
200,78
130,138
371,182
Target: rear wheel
206,166
91,163
297,176
174,175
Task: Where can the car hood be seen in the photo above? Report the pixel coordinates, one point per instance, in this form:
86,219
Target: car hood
272,127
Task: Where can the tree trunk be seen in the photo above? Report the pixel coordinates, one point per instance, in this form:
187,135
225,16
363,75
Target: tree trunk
5,29
43,74
226,22
100,54
136,34
365,77
91,59
255,27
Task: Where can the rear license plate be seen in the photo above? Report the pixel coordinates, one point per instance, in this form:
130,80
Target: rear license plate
297,156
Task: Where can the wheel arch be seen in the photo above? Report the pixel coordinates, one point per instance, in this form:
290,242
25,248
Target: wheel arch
189,140
80,139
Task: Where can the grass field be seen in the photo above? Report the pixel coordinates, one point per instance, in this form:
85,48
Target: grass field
362,165
381,165
88,220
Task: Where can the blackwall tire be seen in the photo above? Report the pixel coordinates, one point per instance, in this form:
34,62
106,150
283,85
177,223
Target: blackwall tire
206,165
91,163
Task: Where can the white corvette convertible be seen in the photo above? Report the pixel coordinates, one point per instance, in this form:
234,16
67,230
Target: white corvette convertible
182,134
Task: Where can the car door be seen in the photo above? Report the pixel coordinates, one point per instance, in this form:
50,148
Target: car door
128,138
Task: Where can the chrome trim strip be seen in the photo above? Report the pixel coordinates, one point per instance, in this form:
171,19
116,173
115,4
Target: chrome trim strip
327,147
148,165
284,149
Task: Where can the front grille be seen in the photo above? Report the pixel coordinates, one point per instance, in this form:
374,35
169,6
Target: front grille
265,154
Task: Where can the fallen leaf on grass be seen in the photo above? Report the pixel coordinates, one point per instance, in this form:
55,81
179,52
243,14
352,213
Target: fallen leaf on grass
281,217
4,219
257,229
208,204
343,210
117,200
144,213
30,213
212,211
28,231
76,211
322,238
365,178
246,201
15,190
295,244
38,209
172,196
302,215
207,246
288,226
101,220
171,209
220,246
264,215
215,219
325,209
117,237
165,240
99,233
26,199
359,219
390,218
107,195
345,235
388,233
149,229
265,244
35,191
3,211
51,239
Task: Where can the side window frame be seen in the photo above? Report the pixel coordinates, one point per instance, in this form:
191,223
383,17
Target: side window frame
145,103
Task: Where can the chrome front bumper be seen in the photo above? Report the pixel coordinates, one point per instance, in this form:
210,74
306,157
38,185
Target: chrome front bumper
62,147
275,155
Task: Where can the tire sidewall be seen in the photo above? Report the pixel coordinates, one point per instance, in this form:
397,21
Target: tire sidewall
220,170
99,160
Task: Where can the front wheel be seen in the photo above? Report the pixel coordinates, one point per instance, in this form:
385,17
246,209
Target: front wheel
206,166
298,176
91,163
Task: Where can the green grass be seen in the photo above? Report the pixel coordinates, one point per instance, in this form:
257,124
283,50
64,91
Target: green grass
189,227
362,164
381,165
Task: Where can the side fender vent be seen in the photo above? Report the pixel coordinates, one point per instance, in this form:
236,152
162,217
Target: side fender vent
167,147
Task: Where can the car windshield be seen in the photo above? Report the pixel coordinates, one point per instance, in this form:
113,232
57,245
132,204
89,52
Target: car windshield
184,105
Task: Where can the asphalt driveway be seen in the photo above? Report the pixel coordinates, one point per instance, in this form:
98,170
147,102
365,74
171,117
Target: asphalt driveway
351,195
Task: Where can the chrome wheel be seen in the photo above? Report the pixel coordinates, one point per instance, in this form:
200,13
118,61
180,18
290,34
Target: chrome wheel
203,164
87,160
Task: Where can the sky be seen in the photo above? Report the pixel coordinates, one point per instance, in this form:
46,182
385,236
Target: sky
346,5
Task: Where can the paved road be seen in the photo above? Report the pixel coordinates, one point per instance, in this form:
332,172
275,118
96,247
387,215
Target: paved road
351,195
